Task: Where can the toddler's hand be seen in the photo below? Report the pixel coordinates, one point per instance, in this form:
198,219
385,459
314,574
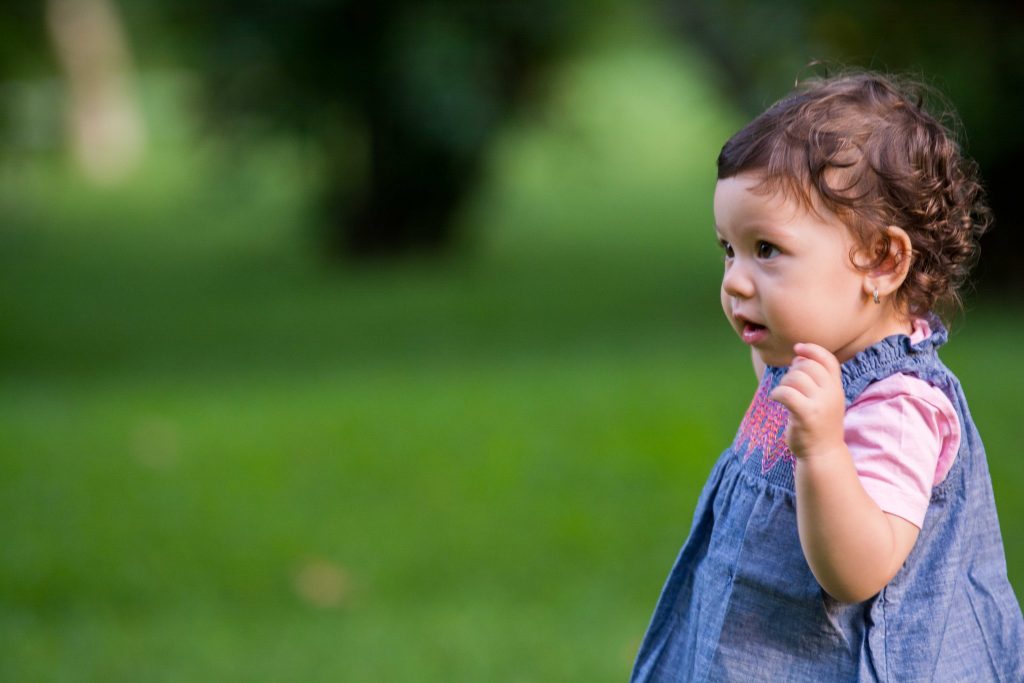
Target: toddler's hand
812,392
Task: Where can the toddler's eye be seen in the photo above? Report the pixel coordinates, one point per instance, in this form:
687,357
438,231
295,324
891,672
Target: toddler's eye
766,250
727,248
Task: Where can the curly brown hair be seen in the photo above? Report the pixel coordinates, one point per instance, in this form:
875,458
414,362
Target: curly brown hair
864,145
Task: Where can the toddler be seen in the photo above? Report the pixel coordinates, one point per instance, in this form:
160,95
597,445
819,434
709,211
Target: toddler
849,532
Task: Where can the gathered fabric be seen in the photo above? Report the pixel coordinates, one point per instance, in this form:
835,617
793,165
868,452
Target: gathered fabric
741,603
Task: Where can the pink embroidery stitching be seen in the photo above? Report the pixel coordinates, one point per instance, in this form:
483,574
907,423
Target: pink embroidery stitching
764,428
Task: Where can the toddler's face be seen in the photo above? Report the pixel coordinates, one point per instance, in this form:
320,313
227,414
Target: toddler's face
788,275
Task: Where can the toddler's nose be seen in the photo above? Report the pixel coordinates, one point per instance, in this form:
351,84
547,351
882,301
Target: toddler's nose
736,282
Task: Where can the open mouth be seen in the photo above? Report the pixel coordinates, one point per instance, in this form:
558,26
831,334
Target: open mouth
752,333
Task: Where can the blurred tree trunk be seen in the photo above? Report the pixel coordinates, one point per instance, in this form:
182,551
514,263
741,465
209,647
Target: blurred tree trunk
401,97
104,122
412,191
416,173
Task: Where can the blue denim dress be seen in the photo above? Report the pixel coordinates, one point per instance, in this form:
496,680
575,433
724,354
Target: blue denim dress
741,603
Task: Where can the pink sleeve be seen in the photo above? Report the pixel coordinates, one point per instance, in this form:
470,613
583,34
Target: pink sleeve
904,435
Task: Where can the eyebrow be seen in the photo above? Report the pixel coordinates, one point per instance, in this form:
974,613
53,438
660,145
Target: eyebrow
764,229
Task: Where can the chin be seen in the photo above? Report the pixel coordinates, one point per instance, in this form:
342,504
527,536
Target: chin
775,360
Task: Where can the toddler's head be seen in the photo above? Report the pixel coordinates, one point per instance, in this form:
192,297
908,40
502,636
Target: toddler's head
862,148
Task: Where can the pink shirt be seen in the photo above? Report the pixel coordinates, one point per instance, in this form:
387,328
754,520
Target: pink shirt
904,435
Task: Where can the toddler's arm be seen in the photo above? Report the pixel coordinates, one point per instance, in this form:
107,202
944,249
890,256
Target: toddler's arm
851,545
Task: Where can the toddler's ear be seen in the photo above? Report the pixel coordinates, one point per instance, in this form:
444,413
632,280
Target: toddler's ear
893,265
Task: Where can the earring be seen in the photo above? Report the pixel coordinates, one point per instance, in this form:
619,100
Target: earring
875,295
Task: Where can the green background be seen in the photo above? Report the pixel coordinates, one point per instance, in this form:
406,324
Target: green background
227,459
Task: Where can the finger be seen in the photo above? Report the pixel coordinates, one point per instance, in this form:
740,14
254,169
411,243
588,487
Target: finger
794,401
819,354
801,381
818,373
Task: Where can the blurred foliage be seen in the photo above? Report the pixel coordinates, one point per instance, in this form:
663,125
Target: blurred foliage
27,105
973,53
23,44
401,99
399,102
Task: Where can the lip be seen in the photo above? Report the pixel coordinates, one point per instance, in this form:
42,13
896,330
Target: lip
750,332
753,335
